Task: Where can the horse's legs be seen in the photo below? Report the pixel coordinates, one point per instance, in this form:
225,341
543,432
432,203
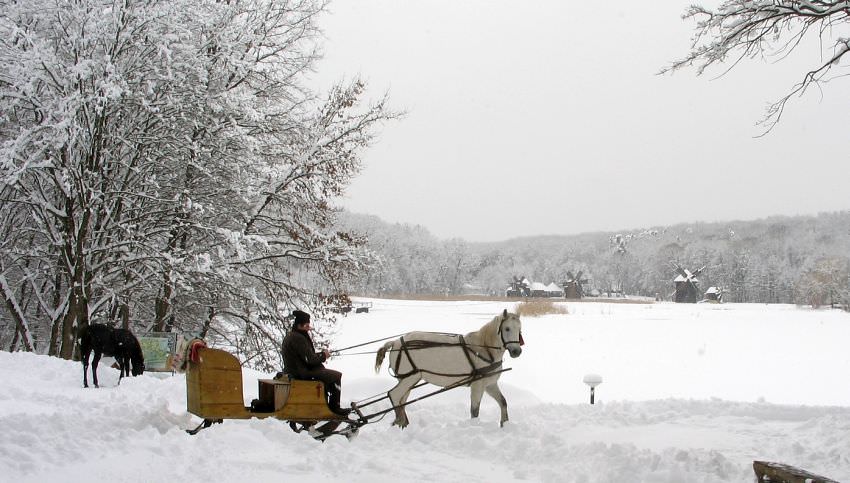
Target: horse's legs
476,391
494,392
123,366
398,396
94,367
85,360
120,361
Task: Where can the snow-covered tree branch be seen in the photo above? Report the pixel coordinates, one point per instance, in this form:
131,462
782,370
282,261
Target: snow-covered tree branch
740,29
167,167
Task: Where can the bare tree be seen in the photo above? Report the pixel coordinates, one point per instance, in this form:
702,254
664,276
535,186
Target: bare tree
740,29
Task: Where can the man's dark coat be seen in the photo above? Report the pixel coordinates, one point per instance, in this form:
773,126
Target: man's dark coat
300,359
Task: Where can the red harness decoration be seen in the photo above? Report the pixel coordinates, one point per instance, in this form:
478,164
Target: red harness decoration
193,350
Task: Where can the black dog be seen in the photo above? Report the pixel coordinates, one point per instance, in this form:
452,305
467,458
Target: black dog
118,343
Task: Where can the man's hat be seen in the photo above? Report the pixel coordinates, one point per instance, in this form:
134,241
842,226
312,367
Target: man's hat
301,317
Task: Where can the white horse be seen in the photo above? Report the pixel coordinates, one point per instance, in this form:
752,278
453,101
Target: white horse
453,359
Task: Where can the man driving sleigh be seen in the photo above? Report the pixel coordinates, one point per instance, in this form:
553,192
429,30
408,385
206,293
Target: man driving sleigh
301,361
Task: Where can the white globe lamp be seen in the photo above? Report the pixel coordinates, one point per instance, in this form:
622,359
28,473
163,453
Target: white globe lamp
592,380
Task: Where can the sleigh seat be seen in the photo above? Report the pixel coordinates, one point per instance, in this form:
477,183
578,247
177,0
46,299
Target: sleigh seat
214,392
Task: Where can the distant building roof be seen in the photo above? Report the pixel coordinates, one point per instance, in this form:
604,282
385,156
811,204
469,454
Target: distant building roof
680,278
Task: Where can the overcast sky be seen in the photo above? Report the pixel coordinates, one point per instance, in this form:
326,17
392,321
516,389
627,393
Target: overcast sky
548,117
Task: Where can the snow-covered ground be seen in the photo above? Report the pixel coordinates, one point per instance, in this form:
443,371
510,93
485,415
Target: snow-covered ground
691,393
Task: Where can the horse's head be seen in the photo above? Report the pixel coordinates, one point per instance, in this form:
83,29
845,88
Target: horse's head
510,331
138,367
138,360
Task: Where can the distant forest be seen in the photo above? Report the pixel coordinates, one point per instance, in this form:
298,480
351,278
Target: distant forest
800,260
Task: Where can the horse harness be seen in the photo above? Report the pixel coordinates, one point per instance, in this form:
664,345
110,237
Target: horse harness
493,365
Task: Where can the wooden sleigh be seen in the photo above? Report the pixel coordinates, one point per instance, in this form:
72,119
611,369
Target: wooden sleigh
214,393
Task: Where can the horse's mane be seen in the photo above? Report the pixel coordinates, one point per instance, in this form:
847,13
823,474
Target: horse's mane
489,333
490,330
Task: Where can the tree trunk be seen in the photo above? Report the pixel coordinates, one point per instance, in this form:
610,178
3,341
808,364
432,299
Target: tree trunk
124,315
66,339
53,350
55,324
14,345
22,327
75,318
163,304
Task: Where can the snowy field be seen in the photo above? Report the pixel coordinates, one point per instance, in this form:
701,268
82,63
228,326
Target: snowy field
691,393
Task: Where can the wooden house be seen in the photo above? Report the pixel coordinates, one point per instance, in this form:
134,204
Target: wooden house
713,294
538,289
553,290
519,287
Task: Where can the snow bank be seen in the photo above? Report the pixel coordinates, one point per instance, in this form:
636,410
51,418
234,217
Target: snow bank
54,430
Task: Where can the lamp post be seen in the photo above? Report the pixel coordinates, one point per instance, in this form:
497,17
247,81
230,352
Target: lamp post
592,380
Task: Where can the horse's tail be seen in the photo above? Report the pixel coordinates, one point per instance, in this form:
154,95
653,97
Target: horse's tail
379,359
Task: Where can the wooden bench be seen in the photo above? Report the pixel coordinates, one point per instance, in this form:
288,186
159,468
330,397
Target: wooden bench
214,392
295,399
781,473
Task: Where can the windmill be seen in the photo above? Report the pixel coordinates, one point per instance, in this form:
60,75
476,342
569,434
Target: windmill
573,286
686,284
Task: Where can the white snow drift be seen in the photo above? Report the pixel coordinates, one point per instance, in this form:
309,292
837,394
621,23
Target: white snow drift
691,393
